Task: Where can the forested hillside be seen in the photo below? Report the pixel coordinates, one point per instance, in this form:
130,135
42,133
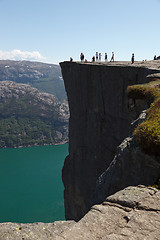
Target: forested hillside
30,117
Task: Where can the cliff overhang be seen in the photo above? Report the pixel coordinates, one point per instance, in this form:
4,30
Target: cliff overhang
101,117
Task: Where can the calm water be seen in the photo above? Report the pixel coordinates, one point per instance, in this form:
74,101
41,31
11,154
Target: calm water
31,188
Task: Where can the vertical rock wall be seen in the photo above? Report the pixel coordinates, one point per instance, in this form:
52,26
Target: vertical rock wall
99,121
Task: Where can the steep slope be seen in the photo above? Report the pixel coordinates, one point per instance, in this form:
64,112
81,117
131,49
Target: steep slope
30,117
100,118
43,76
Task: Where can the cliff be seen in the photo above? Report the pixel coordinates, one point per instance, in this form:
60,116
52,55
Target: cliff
100,118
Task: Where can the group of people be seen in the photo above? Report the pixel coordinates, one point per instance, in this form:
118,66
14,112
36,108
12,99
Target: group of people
98,57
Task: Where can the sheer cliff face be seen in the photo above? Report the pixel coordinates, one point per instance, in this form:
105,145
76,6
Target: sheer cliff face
99,121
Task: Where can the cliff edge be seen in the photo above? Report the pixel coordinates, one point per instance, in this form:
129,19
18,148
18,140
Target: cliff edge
100,119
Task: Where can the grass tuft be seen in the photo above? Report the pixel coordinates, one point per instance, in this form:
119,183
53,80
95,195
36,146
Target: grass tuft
157,184
147,134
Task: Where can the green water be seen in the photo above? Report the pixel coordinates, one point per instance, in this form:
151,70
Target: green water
31,188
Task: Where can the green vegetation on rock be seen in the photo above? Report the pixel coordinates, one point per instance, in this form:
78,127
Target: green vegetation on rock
157,184
147,134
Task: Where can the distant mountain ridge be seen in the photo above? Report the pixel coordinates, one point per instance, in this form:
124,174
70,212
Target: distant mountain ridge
30,117
43,76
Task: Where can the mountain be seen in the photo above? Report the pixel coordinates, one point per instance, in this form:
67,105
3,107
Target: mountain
30,117
43,76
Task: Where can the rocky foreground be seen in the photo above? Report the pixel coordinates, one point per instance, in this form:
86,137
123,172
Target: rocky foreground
130,214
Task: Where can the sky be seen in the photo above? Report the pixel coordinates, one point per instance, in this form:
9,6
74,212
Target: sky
52,31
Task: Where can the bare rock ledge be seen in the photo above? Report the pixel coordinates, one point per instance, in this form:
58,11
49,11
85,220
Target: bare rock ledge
130,214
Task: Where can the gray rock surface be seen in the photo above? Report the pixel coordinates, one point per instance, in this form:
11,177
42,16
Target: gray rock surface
9,89
130,214
100,120
25,71
42,100
38,231
43,76
153,76
130,167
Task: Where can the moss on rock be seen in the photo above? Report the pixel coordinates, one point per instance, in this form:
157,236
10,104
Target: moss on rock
147,134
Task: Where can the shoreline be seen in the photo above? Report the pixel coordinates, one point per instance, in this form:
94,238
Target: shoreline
36,145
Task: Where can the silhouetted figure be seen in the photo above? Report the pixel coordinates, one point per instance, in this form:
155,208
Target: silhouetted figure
93,59
100,55
132,59
71,59
82,57
155,58
112,58
105,57
96,56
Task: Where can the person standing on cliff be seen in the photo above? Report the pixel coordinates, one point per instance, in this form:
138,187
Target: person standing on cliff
93,59
105,57
132,59
112,58
96,56
82,57
100,55
155,58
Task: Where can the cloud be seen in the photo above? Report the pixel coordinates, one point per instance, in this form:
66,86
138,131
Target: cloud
20,55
